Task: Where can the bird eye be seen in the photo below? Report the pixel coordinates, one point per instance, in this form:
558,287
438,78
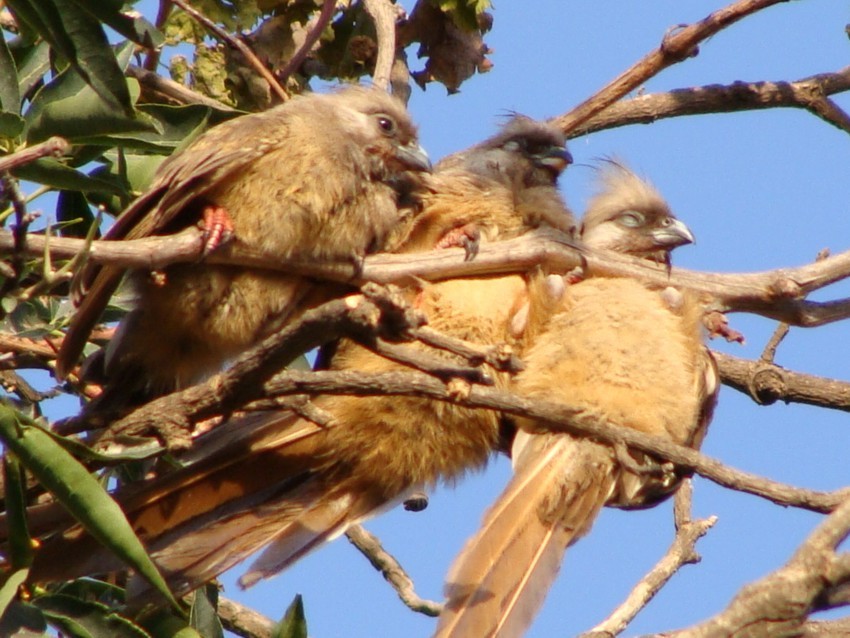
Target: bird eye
631,219
666,221
386,124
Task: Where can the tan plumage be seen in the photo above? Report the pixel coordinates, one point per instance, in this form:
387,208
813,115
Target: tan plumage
613,346
313,178
279,481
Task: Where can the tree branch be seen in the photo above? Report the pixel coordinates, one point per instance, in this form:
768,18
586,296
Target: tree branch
767,383
392,571
675,47
383,15
806,93
244,621
777,294
237,44
778,604
295,62
681,552
52,147
173,90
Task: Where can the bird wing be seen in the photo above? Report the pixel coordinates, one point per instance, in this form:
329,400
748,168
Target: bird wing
185,177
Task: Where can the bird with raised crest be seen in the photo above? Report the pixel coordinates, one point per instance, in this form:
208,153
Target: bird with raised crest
611,347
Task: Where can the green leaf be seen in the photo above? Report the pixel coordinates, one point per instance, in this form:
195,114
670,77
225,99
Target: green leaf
161,623
79,38
92,589
134,28
203,616
79,492
20,542
67,106
33,62
22,619
53,173
10,589
74,214
294,624
11,125
10,98
86,619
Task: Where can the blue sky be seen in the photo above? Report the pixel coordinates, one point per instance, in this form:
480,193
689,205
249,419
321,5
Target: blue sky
760,190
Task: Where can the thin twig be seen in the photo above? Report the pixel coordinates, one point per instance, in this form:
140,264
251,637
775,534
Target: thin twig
52,147
370,546
769,352
237,44
174,90
295,62
153,56
680,553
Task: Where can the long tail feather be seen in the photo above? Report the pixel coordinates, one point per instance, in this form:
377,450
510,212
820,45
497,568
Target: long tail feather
245,484
500,579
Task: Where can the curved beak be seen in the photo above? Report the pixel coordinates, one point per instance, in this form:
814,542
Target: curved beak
675,234
556,158
413,157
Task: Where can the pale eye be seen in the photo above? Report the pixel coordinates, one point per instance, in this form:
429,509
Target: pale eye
631,219
386,124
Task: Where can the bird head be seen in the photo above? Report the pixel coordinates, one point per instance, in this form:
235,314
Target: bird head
383,127
629,216
525,151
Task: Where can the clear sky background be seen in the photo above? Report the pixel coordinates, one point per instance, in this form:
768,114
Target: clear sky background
760,190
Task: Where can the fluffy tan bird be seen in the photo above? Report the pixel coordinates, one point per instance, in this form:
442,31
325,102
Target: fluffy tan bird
311,179
280,481
632,354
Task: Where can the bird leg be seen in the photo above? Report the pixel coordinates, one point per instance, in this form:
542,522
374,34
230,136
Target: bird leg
217,227
467,237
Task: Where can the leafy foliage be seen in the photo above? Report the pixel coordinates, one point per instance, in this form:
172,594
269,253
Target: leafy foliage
76,69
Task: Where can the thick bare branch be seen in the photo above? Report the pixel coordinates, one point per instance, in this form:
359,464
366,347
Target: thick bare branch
767,383
806,93
777,294
383,13
778,604
200,401
244,621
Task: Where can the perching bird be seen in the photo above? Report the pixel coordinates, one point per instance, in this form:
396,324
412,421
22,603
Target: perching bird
280,481
314,178
633,355
628,215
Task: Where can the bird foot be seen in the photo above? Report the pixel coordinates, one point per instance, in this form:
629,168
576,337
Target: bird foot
217,228
467,237
718,326
576,275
